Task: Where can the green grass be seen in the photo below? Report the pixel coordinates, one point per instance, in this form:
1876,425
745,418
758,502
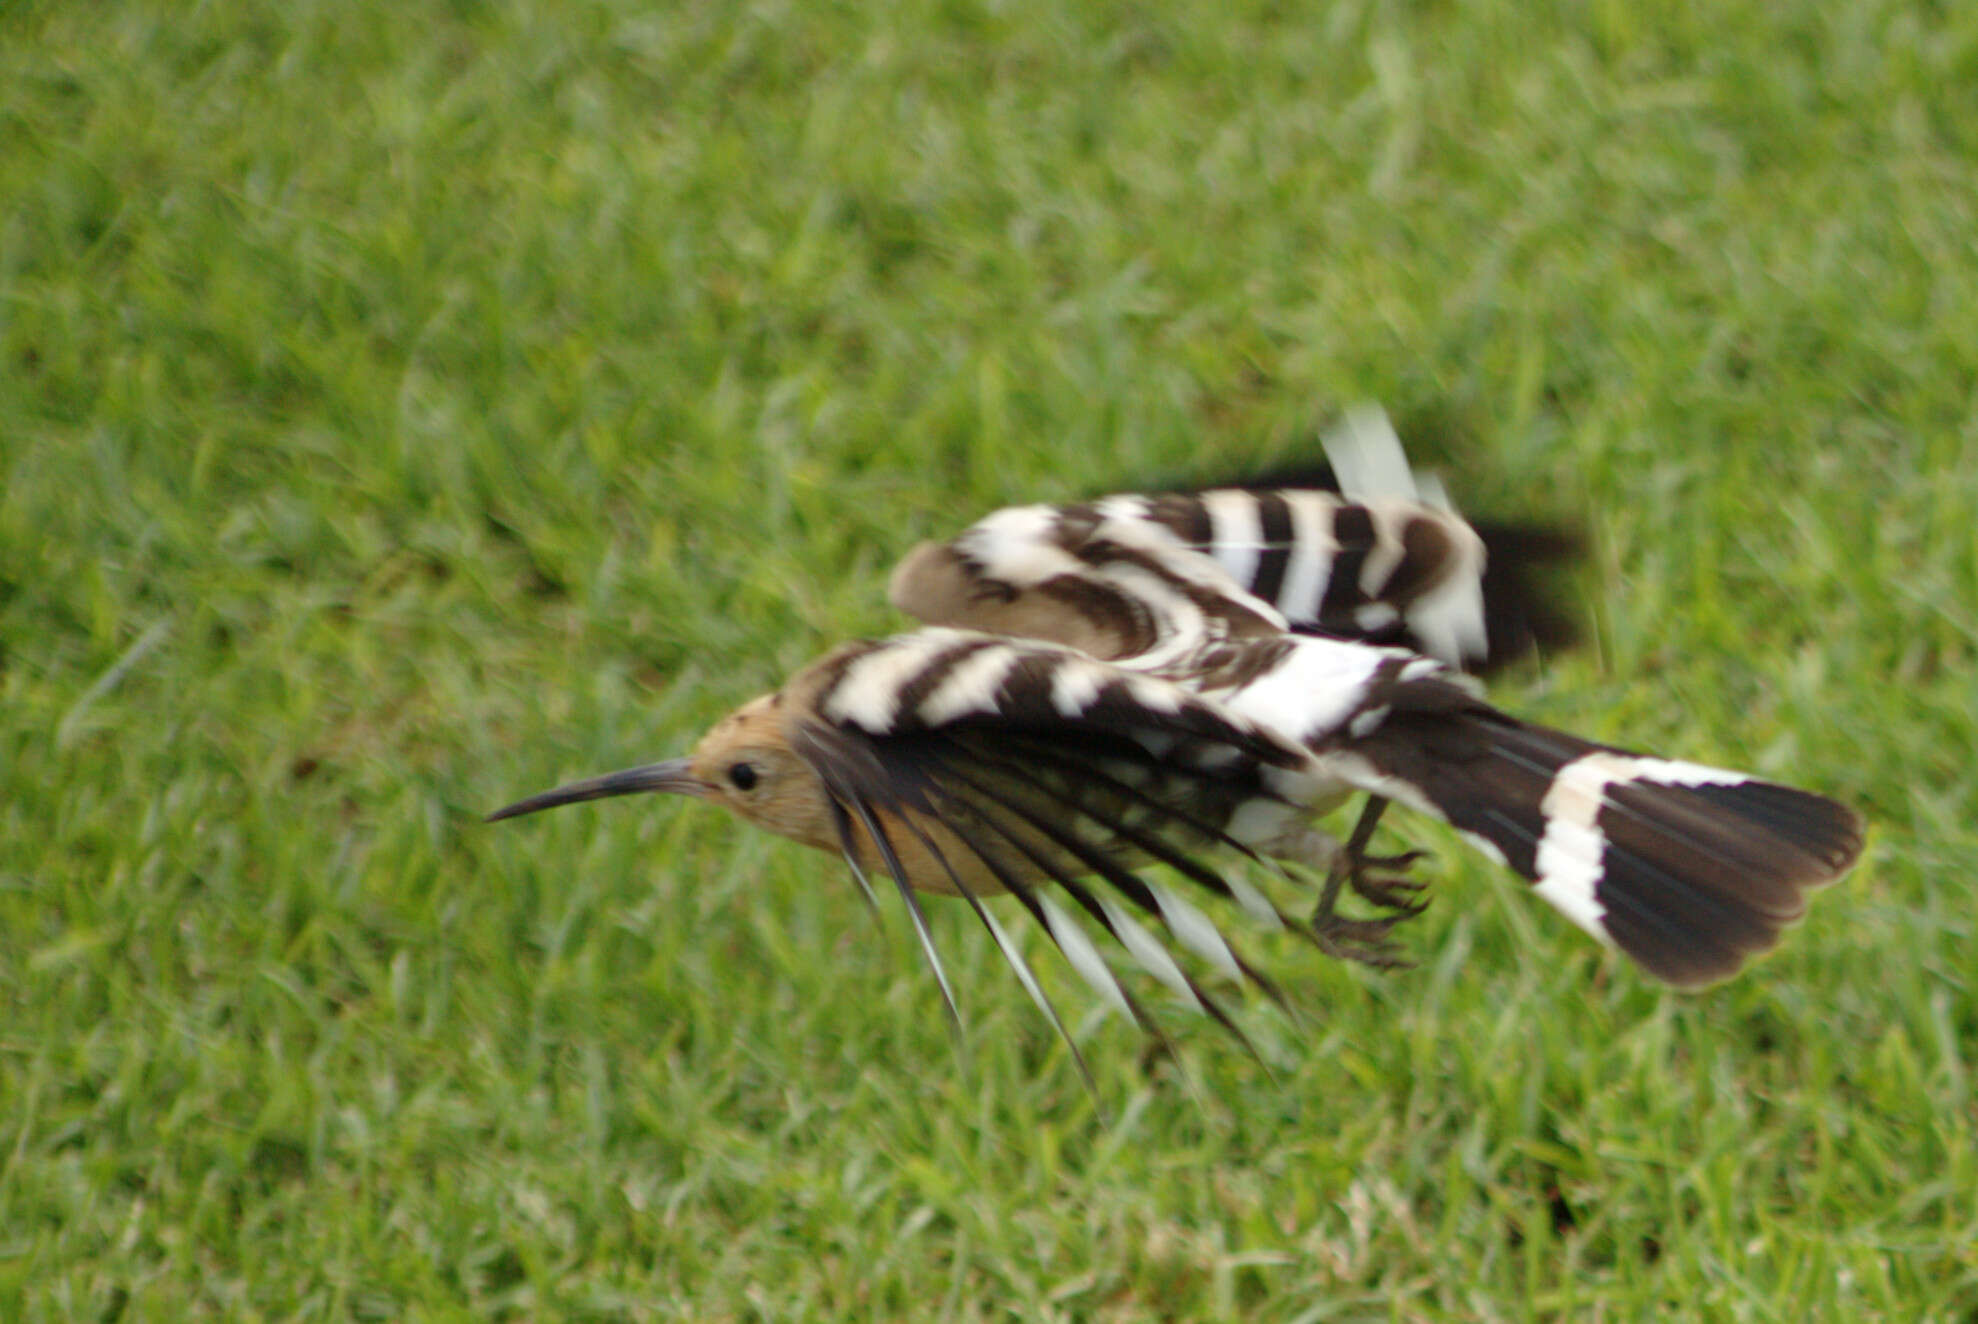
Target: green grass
402,411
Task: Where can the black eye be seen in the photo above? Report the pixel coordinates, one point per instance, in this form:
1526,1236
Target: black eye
743,775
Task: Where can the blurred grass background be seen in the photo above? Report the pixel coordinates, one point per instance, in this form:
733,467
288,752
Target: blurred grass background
405,407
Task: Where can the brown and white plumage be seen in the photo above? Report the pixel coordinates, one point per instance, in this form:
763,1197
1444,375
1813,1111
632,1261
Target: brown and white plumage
1156,681
1377,556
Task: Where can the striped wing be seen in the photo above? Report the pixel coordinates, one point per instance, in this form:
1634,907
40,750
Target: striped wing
975,764
1104,578
1386,560
1405,569
1377,570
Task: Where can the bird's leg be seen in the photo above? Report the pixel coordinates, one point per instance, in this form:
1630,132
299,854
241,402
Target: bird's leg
1391,890
1345,863
1353,866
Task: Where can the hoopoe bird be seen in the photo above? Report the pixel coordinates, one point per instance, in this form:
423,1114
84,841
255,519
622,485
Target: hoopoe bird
1143,681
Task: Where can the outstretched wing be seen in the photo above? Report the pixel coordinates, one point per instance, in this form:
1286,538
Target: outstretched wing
1156,577
1396,564
976,764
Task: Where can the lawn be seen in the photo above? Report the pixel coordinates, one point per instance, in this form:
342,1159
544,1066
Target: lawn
405,408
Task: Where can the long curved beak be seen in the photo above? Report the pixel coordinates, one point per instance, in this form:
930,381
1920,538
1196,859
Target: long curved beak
672,776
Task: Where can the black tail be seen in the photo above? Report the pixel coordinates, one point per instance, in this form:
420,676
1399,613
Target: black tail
1690,870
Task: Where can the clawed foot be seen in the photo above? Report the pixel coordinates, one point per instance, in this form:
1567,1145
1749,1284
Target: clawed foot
1380,880
1391,890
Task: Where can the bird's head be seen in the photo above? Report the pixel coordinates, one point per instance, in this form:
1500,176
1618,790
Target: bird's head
744,764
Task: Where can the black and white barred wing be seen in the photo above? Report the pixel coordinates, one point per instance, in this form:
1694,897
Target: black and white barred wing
1395,563
1101,577
1129,576
1383,570
975,764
